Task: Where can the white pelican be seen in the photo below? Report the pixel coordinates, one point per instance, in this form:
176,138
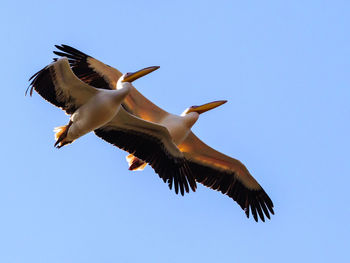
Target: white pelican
210,167
100,109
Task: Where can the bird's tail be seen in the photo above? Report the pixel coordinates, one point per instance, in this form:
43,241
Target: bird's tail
135,164
61,135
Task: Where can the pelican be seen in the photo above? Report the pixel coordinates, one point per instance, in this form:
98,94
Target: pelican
100,109
209,167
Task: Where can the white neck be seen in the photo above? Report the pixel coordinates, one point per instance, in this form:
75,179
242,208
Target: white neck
123,85
191,118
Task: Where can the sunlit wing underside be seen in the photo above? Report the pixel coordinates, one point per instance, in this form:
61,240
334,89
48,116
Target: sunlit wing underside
227,175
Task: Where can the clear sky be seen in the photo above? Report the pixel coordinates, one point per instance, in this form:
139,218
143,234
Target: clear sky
283,66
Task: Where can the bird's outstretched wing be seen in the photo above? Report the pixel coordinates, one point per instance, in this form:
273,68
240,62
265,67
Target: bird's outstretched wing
227,175
151,143
100,75
57,84
89,69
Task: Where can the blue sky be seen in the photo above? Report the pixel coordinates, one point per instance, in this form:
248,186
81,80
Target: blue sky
283,66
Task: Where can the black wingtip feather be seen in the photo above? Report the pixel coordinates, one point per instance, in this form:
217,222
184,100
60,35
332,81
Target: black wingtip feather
82,68
256,202
151,150
43,83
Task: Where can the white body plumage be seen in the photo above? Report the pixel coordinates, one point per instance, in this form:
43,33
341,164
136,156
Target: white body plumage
98,111
179,126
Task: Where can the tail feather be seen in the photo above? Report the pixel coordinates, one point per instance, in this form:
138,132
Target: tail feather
59,131
61,135
135,164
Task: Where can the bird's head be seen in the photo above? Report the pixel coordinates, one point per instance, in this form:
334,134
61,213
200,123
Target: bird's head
203,108
128,78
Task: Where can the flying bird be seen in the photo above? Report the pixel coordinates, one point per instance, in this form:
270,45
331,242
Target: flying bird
209,167
100,110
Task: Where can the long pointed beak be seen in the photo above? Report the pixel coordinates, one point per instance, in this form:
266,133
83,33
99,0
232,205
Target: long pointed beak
206,107
130,77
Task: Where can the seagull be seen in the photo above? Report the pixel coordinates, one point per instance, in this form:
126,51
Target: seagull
209,167
100,110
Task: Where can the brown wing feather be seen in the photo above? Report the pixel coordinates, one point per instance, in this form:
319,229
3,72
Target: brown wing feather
100,75
227,175
89,69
